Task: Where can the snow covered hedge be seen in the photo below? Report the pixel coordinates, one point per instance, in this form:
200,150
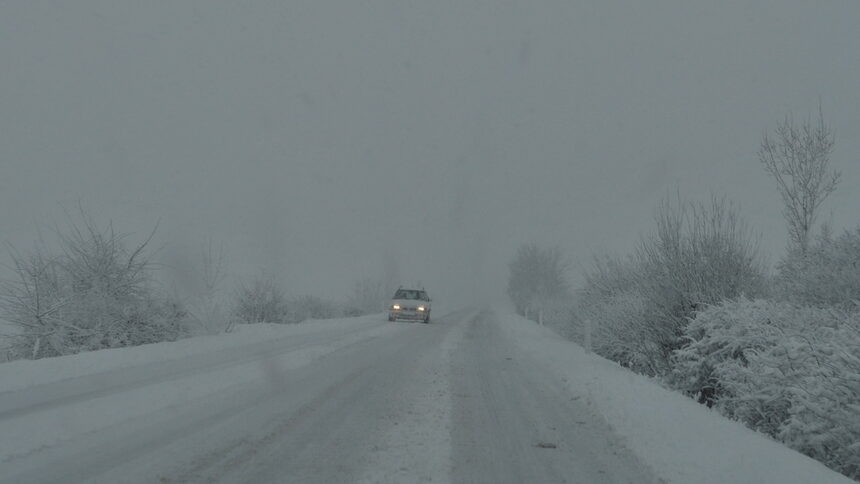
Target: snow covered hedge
789,371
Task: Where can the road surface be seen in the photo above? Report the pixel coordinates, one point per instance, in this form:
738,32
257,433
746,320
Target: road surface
453,401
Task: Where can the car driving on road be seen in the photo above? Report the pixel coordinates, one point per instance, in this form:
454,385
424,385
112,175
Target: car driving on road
410,305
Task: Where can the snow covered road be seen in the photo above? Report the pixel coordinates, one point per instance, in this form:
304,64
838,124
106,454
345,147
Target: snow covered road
365,401
513,422
474,397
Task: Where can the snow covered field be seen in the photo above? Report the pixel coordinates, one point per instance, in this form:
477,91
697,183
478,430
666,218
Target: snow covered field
474,396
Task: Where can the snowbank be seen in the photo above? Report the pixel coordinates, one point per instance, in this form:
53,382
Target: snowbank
682,441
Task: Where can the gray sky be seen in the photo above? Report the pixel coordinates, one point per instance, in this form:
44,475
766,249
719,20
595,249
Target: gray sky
316,140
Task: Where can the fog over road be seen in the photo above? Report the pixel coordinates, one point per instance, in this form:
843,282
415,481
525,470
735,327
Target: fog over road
368,401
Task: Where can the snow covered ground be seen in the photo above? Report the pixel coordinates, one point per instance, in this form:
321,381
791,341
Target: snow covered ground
682,441
477,396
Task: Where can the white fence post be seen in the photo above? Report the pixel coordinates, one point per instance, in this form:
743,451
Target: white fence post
587,342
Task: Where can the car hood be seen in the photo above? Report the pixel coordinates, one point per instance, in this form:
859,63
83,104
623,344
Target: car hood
410,302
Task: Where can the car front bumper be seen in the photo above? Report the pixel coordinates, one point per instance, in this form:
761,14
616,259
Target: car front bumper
408,315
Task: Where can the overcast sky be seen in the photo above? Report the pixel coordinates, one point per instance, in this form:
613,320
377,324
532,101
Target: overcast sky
322,141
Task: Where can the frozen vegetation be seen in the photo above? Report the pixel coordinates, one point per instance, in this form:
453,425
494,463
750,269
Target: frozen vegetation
780,353
93,292
695,307
89,290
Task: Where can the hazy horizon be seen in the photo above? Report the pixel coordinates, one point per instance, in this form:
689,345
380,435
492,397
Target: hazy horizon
320,141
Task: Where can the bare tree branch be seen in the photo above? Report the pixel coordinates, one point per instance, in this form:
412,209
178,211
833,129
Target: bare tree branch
798,159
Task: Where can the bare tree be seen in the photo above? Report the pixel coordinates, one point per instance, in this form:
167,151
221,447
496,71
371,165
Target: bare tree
798,158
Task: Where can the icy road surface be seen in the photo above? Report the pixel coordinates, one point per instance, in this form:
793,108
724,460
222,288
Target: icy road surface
370,401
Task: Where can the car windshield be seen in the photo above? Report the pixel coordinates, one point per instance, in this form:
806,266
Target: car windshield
408,294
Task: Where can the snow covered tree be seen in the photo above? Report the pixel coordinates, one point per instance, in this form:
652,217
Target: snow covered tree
537,277
94,294
798,159
31,302
700,254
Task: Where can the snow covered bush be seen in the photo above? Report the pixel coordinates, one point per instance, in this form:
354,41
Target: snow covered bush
789,371
93,294
611,308
617,332
638,307
722,341
827,274
262,301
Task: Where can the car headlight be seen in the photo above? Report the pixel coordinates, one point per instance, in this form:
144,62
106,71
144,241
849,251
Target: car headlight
395,306
421,308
